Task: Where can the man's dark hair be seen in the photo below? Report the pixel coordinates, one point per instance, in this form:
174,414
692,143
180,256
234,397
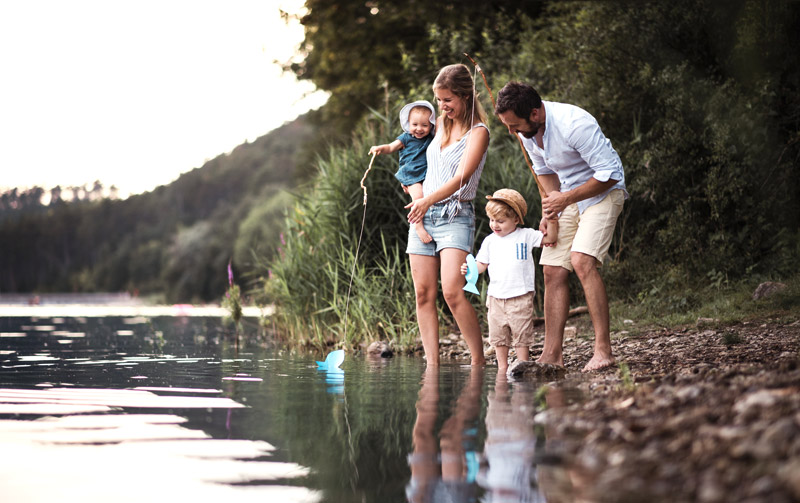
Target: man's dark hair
519,98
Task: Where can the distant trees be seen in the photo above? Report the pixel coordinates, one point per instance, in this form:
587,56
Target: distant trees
176,240
701,99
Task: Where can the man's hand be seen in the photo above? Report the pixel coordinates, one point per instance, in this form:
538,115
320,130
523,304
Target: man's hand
554,203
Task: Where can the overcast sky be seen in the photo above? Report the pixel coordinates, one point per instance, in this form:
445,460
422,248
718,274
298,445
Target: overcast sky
133,93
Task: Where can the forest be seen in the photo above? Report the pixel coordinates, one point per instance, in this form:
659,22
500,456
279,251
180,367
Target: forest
700,99
173,243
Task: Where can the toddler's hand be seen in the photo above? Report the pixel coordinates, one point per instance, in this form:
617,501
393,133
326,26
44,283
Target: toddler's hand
464,268
376,149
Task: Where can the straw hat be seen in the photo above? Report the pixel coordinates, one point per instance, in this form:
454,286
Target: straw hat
512,198
406,111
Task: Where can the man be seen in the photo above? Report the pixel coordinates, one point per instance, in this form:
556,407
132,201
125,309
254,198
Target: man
584,183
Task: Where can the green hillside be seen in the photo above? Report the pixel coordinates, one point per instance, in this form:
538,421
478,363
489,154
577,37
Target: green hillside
175,240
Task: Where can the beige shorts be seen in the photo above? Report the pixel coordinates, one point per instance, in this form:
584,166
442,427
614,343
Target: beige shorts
511,320
589,233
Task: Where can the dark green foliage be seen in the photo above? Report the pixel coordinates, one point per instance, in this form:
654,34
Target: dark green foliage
175,240
359,50
699,98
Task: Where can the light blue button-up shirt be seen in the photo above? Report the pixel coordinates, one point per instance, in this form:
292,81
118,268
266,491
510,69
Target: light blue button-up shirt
576,150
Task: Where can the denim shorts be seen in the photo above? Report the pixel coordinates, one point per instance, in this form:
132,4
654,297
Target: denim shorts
460,233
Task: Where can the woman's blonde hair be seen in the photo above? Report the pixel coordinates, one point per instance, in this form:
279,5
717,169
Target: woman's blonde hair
457,80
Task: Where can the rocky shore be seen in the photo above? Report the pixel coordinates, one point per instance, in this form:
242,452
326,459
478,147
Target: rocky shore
707,413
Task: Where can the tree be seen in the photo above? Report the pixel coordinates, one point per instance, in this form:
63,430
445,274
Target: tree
358,50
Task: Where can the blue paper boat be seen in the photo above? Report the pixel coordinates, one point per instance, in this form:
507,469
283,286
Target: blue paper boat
472,275
332,362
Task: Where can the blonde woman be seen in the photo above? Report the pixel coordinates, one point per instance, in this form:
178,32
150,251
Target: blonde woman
456,157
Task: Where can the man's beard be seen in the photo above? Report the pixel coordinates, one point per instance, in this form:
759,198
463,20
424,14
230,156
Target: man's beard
534,128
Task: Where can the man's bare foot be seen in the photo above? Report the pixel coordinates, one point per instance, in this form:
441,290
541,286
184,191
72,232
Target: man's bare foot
599,362
422,233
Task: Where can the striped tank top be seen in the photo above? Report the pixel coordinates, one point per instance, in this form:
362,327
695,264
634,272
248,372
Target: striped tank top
442,166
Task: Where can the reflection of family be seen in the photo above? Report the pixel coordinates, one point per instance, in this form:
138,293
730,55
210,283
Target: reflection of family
584,182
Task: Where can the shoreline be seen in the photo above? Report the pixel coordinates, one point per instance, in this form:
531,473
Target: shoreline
708,413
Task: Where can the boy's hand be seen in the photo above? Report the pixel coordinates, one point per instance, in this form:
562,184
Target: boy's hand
549,228
464,269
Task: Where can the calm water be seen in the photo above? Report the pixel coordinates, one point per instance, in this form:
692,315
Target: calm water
100,409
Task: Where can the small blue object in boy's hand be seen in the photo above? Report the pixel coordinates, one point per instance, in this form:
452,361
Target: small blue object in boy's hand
334,359
472,275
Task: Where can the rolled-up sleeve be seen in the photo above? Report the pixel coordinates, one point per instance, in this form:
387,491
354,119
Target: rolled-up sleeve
589,141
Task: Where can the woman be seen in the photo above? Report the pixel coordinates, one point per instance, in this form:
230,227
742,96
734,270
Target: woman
455,161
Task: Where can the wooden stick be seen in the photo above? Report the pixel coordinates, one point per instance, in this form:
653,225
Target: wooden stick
572,312
365,177
542,192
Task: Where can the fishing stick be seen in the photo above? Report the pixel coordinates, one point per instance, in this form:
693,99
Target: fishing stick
358,245
542,192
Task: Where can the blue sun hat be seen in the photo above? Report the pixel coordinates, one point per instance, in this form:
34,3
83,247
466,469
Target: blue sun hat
406,110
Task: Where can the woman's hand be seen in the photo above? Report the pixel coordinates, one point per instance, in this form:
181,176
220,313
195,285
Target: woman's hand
417,209
464,268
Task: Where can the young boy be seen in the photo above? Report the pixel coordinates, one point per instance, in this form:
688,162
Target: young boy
507,254
418,120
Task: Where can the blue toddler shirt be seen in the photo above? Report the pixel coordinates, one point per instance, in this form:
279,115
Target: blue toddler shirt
413,163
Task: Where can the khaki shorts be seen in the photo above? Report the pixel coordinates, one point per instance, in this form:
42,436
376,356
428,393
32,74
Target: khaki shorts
511,320
589,233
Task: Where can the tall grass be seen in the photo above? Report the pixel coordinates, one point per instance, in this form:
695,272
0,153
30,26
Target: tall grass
310,280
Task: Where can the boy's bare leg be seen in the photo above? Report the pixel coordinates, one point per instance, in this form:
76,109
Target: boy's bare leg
415,191
523,353
502,358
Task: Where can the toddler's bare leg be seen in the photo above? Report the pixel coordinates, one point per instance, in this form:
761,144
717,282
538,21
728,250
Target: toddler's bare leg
415,191
523,353
502,358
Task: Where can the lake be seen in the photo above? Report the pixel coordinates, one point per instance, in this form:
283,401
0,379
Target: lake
157,408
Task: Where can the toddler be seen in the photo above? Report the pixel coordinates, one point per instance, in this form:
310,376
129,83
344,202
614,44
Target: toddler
418,120
507,254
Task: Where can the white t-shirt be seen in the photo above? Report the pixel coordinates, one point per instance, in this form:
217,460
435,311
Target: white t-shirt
510,260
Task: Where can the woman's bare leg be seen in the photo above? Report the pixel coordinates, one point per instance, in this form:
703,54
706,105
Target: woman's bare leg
425,273
463,312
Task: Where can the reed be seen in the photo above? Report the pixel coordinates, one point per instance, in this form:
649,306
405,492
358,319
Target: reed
310,279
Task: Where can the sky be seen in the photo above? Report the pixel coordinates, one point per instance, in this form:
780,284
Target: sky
135,92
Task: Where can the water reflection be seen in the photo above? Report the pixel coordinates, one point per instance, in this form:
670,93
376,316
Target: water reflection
511,444
444,469
513,463
179,392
